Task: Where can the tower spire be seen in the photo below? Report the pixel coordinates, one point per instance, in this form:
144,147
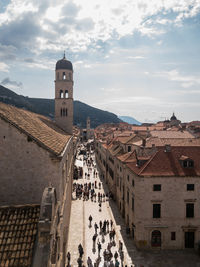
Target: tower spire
64,55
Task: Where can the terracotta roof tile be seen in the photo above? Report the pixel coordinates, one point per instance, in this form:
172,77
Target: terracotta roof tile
18,229
172,141
164,163
37,127
171,134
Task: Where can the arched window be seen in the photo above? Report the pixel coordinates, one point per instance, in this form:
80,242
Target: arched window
64,76
61,112
66,112
66,93
156,238
61,93
57,75
70,76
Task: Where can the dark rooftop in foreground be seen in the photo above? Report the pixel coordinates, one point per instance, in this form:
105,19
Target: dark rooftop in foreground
18,229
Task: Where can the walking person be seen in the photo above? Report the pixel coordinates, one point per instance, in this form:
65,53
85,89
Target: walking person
96,227
80,249
90,220
68,258
111,224
89,262
107,223
113,234
100,206
80,262
100,226
99,249
116,255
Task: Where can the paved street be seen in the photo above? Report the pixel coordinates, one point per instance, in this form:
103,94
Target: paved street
80,232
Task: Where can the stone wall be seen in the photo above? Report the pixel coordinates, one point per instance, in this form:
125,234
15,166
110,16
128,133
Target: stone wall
25,168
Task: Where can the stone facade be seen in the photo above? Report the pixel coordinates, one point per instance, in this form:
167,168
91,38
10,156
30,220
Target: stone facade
156,191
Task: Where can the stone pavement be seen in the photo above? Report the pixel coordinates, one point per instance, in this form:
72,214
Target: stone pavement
80,232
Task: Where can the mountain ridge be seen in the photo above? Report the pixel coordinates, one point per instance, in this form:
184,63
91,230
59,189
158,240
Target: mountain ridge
45,107
129,120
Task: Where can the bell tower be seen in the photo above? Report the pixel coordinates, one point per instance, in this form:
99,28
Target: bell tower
64,95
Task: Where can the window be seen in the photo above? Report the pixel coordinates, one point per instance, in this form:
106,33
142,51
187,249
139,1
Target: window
128,177
64,76
66,94
188,163
127,197
133,182
190,210
156,210
190,187
173,235
61,93
120,169
129,148
157,187
133,202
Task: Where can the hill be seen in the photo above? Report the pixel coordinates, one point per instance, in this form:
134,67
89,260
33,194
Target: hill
46,107
129,120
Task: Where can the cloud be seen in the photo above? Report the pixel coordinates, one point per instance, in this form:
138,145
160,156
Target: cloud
79,24
21,32
185,80
7,52
4,67
11,84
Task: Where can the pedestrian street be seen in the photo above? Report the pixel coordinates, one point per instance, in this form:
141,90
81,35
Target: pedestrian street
81,232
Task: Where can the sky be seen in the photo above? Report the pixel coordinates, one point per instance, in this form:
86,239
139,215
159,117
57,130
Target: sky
136,58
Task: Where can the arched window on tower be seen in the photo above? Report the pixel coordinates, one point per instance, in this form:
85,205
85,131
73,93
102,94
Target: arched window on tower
66,94
66,112
63,112
64,76
57,75
70,76
61,94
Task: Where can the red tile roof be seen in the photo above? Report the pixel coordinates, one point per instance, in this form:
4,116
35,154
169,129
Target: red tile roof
39,128
171,134
18,229
158,142
164,163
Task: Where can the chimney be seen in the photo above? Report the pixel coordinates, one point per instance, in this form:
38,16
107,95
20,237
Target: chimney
167,148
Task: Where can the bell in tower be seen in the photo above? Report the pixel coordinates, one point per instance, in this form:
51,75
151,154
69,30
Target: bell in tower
64,95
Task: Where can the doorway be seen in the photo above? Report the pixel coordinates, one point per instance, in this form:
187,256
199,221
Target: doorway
156,239
189,239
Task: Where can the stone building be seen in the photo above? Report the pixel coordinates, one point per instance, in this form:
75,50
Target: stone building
156,188
64,95
36,172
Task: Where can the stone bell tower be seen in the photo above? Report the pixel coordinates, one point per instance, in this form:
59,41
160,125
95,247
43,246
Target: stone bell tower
88,128
64,95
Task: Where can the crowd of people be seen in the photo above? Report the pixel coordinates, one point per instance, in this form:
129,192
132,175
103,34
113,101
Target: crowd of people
104,232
